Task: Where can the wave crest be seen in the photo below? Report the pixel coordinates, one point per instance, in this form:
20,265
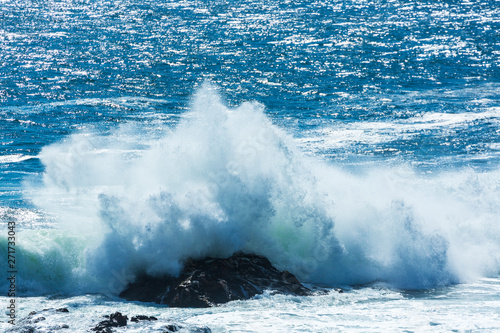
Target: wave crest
227,180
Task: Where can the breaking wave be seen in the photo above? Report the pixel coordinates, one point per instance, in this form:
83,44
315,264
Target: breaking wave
227,180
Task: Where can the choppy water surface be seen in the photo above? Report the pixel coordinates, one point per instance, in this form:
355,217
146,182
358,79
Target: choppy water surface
351,142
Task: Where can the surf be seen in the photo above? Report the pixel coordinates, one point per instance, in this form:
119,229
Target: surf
226,180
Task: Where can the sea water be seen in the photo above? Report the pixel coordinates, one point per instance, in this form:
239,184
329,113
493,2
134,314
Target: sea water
353,143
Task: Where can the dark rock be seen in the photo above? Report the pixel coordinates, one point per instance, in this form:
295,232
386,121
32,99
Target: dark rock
115,320
200,330
208,282
120,319
62,310
102,329
185,328
23,330
172,328
44,321
136,319
36,321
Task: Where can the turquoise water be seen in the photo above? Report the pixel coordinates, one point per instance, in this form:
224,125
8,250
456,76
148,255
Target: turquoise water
351,142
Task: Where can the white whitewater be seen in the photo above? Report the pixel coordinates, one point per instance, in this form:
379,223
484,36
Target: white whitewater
227,180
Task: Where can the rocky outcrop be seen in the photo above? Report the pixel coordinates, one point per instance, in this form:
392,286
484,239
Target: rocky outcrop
211,281
36,321
138,318
50,320
114,320
118,320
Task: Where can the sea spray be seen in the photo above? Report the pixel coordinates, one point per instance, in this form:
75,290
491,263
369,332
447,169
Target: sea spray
227,180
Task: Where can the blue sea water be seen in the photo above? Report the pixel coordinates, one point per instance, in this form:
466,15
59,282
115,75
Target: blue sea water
354,143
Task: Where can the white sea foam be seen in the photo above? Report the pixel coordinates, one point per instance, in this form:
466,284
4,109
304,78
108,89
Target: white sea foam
228,180
15,158
339,135
466,307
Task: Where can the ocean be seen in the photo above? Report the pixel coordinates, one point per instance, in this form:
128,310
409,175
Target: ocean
355,144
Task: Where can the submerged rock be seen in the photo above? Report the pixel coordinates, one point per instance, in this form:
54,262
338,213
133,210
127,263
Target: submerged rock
180,328
115,320
36,321
138,318
208,282
119,321
49,320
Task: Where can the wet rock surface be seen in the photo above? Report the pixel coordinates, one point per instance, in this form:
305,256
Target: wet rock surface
212,281
138,318
55,320
35,321
114,320
118,320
